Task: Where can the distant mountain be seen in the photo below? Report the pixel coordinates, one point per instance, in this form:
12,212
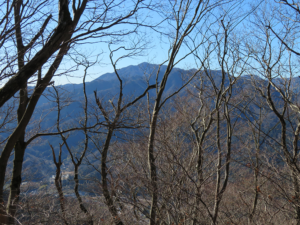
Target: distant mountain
107,86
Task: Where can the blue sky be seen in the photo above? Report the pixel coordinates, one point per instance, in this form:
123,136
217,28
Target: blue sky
157,45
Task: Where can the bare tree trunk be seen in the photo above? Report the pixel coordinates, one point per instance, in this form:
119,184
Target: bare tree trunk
78,162
152,169
3,164
108,198
20,145
111,128
16,181
256,169
254,205
64,29
82,207
58,182
219,165
25,112
290,160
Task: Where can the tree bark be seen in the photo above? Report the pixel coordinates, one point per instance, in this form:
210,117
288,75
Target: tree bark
63,30
152,169
108,198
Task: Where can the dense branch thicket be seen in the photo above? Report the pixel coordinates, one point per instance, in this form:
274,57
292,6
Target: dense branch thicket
215,143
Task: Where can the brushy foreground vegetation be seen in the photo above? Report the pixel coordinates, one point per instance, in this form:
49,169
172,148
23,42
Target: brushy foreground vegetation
217,146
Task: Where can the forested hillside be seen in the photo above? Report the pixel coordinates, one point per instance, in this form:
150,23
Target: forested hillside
187,112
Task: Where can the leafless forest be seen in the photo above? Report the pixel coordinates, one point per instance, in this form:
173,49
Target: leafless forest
219,148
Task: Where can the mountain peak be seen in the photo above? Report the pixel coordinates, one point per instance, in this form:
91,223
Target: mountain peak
131,71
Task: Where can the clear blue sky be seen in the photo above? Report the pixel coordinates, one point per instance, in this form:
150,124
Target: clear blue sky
157,47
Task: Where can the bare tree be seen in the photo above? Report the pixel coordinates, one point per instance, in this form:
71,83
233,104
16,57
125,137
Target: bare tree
31,56
115,119
184,25
58,182
272,63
